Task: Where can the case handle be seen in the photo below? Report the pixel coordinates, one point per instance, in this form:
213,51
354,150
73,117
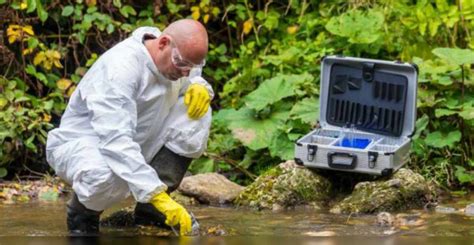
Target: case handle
342,160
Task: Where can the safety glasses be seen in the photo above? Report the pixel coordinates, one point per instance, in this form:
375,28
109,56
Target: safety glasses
180,62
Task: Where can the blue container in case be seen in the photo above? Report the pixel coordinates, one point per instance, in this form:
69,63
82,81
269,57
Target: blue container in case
354,143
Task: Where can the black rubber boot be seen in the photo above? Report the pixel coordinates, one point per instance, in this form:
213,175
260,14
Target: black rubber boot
171,169
80,220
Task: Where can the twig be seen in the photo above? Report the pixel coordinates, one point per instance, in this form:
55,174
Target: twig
349,217
463,23
288,7
32,171
233,163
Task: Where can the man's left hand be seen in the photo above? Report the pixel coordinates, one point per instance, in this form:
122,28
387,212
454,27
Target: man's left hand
197,99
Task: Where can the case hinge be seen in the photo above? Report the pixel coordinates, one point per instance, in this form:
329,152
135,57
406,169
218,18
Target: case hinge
372,158
312,149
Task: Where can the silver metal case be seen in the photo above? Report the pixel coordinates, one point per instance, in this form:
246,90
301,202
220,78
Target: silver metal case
373,101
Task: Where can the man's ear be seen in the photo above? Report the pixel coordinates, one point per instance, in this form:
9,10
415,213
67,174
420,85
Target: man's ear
163,41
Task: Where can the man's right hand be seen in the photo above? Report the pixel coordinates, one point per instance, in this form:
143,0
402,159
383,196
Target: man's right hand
174,212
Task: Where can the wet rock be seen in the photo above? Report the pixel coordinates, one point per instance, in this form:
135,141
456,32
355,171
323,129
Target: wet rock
277,207
320,233
394,183
285,186
409,220
404,190
214,231
469,210
390,231
210,188
385,219
183,200
445,210
122,218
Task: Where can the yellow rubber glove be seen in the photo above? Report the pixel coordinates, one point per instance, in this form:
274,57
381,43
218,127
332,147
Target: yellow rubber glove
197,99
175,213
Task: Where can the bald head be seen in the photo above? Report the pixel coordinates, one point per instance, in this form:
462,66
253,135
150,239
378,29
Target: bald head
191,38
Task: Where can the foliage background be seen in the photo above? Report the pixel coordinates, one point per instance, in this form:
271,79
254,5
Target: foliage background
264,63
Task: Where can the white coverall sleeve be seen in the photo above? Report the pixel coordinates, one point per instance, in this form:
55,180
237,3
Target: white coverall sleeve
195,76
113,116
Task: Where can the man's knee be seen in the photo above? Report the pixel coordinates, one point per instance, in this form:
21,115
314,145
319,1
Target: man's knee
185,136
97,188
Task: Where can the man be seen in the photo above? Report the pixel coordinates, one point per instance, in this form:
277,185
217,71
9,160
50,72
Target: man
134,123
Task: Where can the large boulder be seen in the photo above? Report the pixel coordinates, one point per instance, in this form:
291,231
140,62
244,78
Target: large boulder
403,190
210,188
285,186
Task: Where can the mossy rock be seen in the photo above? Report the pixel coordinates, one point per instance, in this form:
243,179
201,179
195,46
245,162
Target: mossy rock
183,199
121,218
285,186
403,190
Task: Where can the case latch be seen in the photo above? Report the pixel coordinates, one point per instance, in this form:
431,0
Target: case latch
372,158
368,72
312,152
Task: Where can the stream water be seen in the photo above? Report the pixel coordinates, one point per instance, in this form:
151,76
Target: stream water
46,221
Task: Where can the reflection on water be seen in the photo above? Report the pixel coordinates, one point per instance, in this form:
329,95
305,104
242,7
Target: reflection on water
46,222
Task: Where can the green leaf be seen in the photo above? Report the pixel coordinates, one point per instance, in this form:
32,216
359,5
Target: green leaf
271,20
444,112
357,26
68,10
463,176
126,27
49,195
421,124
91,10
3,172
31,5
287,55
32,42
48,105
455,56
269,92
247,161
3,102
21,99
117,3
127,10
42,14
440,140
110,28
307,110
281,146
467,112
202,165
444,80
30,70
29,143
40,76
91,60
253,132
3,1
15,5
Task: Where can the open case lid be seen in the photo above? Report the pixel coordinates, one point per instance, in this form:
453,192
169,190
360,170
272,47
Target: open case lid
373,96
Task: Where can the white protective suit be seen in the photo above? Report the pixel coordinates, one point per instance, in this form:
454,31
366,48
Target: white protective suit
121,114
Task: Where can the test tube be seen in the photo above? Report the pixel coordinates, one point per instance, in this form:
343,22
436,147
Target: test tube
352,135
